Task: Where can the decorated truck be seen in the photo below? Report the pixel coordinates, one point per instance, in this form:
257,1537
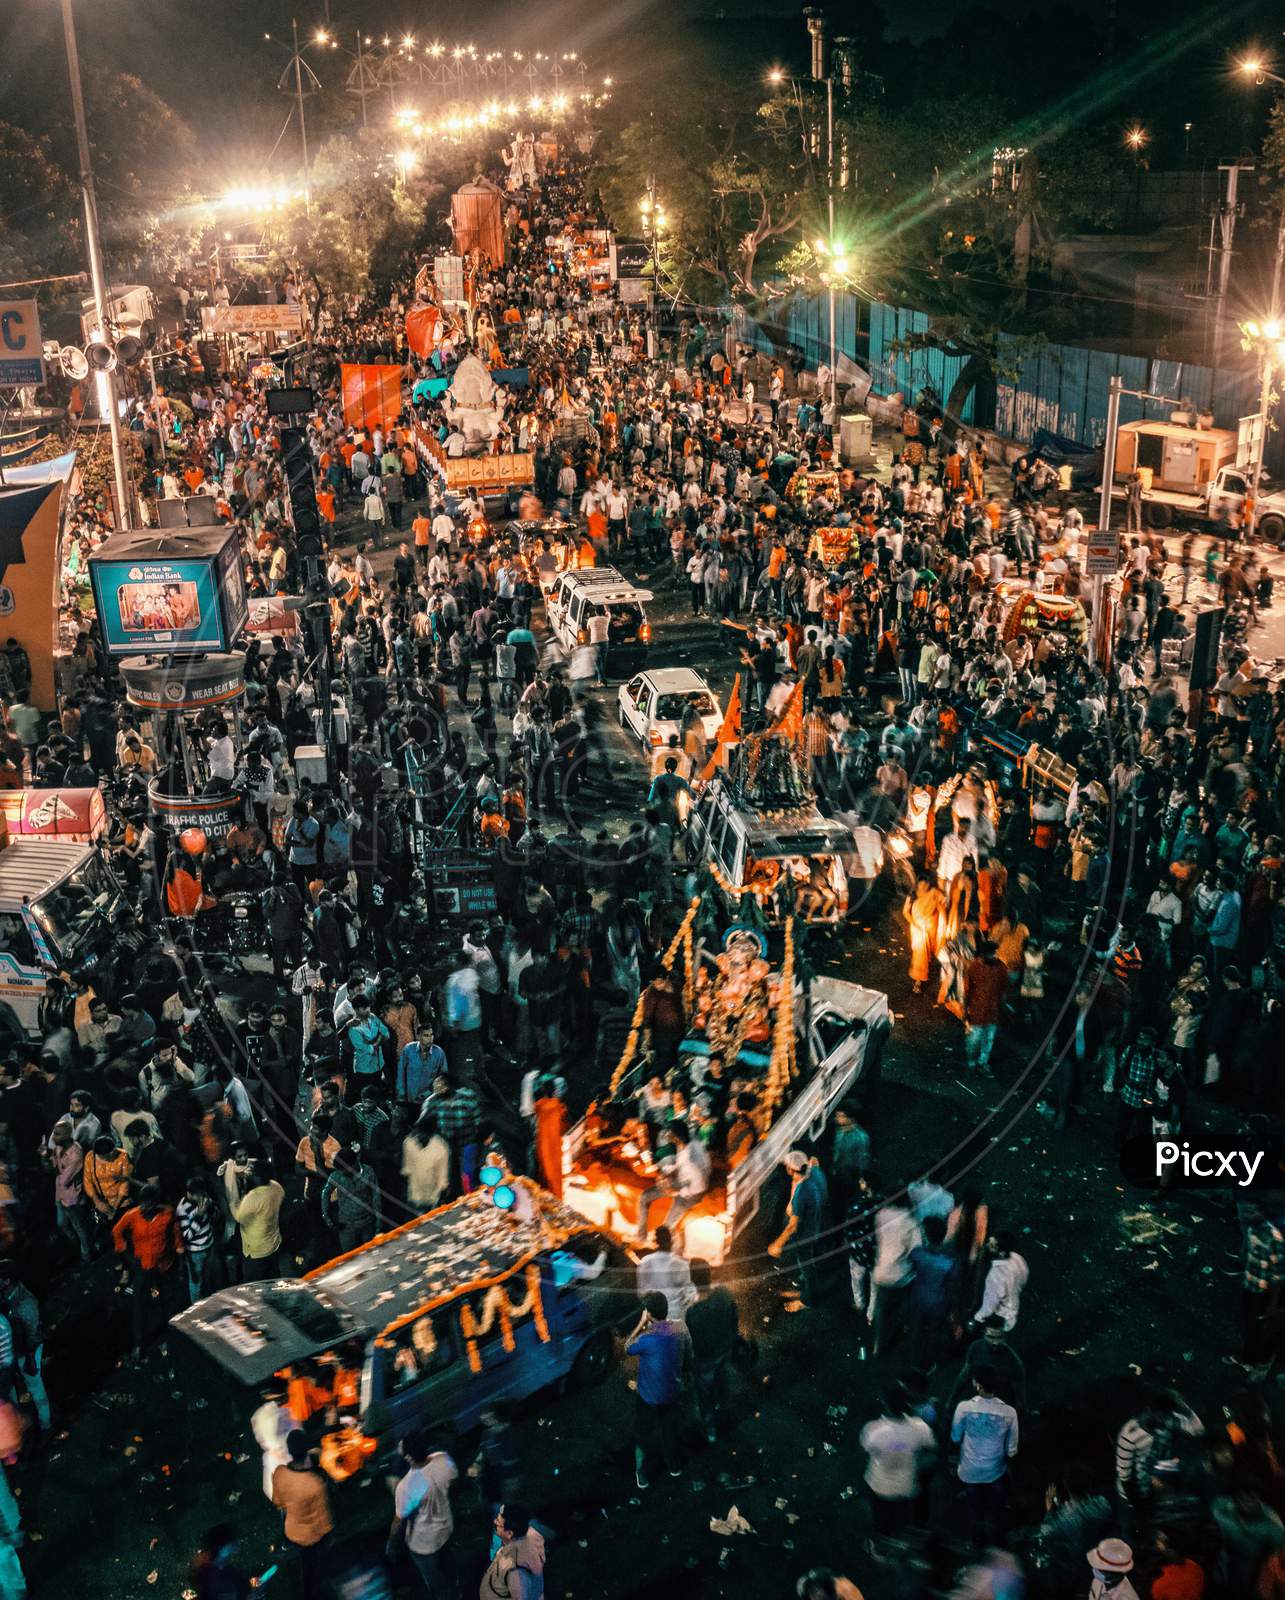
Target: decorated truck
796,1046
490,1298
755,825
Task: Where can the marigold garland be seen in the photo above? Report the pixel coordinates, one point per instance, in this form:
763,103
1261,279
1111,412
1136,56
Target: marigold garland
681,940
496,1303
782,1065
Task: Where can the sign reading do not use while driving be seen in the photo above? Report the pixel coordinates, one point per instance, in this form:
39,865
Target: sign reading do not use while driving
22,359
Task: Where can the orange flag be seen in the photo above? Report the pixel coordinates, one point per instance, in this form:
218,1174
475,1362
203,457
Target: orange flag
729,730
789,725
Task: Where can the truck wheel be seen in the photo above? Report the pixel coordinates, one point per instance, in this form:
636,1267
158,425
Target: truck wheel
595,1359
1272,529
1159,515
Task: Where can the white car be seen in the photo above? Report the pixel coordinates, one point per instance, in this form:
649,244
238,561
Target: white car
652,705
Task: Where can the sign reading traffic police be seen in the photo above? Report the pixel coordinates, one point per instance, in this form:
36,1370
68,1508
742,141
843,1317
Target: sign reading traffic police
22,359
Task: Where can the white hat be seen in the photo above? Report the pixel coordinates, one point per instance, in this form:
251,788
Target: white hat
796,1161
1111,1555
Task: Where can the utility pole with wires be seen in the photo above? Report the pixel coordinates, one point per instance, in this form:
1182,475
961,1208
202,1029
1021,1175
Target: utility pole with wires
297,80
105,380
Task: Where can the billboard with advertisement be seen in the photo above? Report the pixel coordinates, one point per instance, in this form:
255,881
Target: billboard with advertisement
215,815
250,319
182,591
22,351
633,258
76,814
1101,553
187,685
31,506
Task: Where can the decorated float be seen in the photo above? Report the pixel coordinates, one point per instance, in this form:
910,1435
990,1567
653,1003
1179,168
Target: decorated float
1037,612
757,1028
833,546
804,486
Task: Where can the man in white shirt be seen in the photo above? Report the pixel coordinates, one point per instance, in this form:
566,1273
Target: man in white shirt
898,1446
443,528
221,755
1002,1291
896,1235
954,847
422,1502
1166,907
599,630
985,1429
663,1272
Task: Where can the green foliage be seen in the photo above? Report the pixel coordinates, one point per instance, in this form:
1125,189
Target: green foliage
1272,156
93,456
359,229
39,234
138,142
729,181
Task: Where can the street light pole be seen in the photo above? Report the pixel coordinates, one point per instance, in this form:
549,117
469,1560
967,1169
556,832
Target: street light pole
1277,264
1267,343
1264,402
106,380
303,126
829,195
822,70
1099,643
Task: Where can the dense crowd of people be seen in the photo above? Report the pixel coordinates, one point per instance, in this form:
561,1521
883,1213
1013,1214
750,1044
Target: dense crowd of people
1089,880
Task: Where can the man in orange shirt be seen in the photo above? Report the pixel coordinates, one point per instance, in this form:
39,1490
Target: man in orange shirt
148,1238
422,529
775,570
410,471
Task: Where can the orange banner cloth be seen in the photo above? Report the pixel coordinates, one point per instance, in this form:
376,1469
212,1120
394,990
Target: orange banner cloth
372,395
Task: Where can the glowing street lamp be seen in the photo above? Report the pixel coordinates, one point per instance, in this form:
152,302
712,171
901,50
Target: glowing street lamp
1266,341
1258,70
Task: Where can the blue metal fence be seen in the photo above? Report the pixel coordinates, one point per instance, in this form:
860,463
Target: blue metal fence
1061,387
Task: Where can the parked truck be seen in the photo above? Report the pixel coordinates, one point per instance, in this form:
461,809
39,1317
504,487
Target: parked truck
1194,475
799,1063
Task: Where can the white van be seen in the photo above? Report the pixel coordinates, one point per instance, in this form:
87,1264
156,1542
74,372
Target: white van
588,591
793,863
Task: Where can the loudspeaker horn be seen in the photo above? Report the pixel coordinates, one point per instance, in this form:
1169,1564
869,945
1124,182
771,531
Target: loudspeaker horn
100,355
73,363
